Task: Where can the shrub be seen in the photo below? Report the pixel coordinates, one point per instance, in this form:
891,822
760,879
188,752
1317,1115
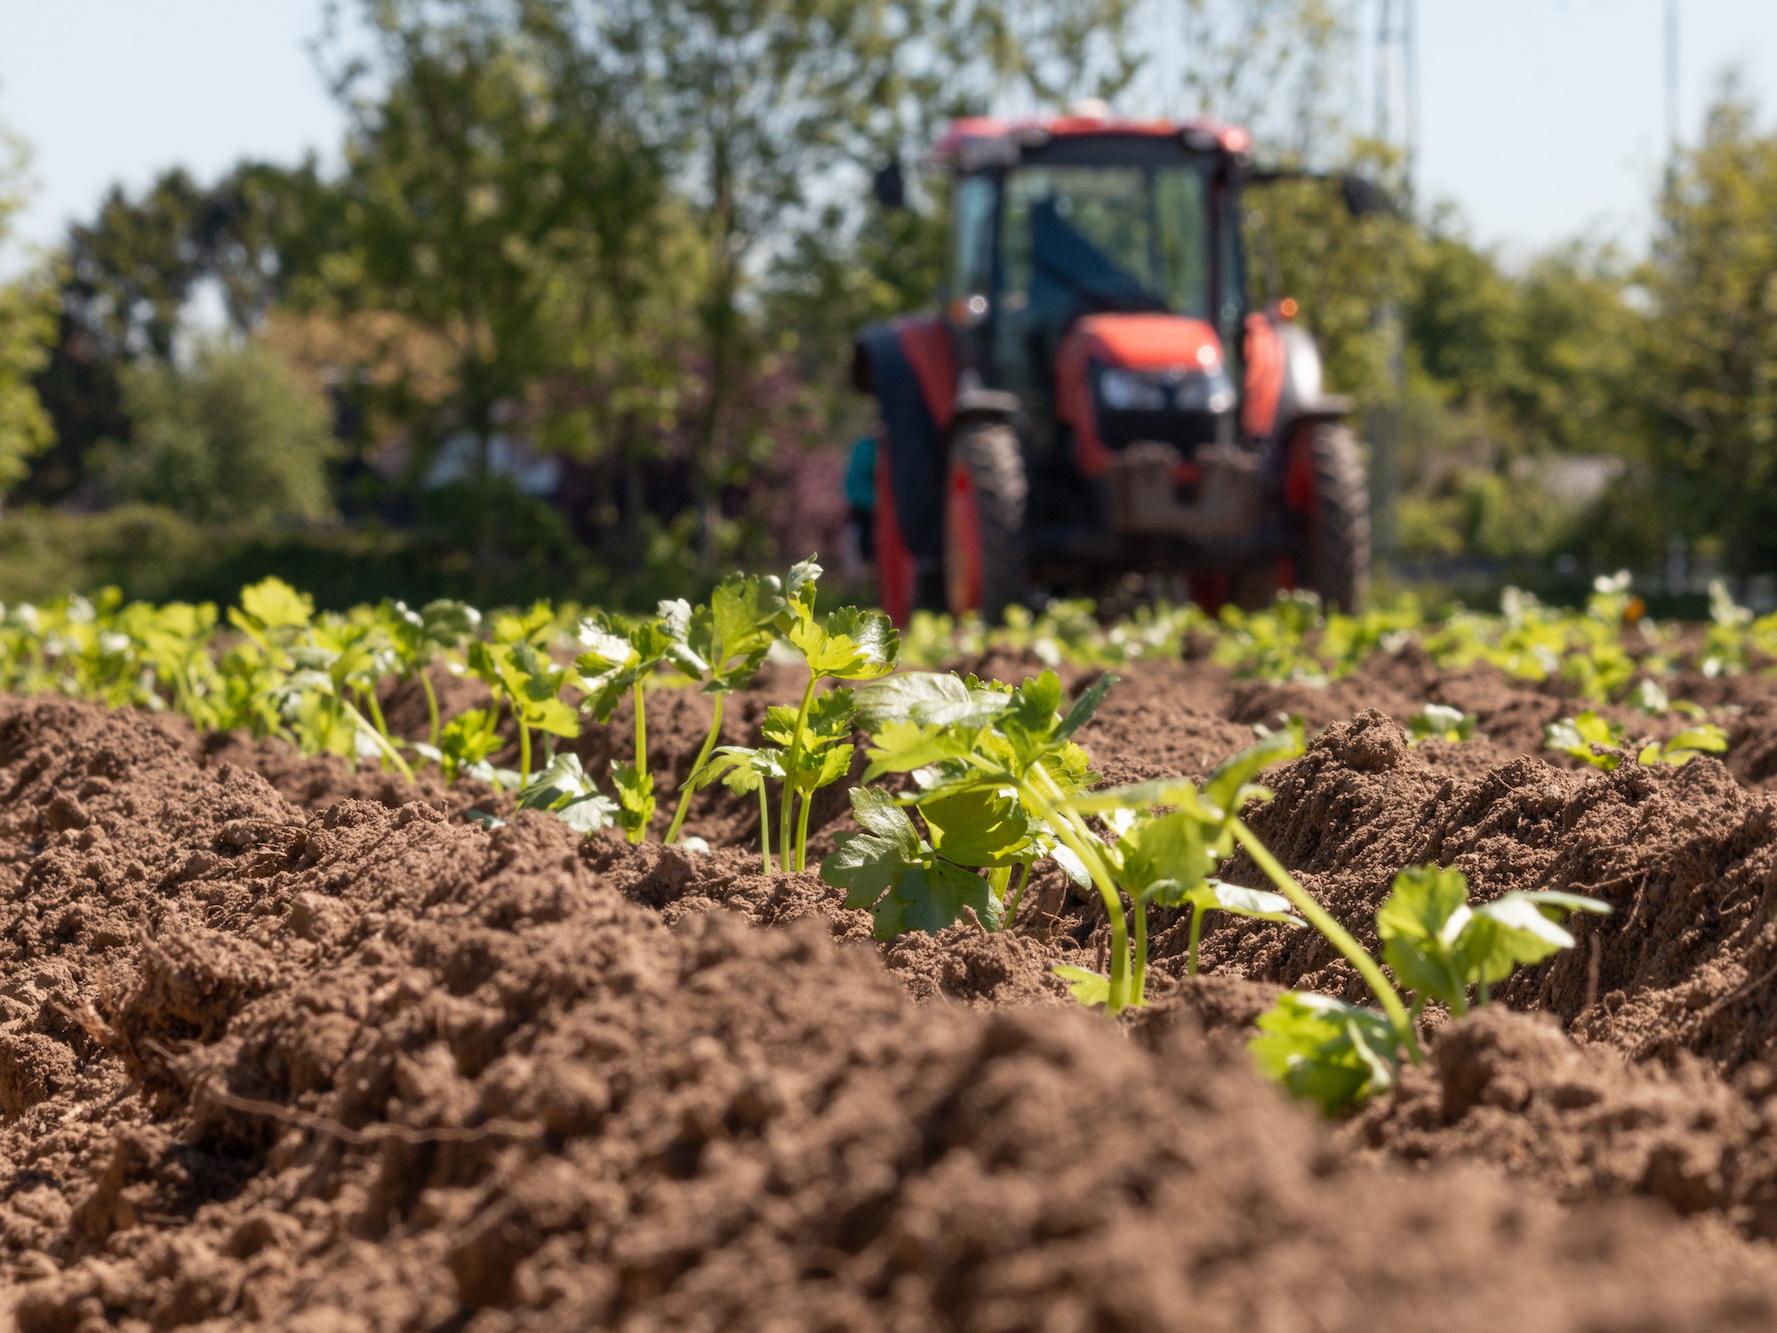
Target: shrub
233,436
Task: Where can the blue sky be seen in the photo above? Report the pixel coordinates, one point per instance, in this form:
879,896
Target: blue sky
1541,119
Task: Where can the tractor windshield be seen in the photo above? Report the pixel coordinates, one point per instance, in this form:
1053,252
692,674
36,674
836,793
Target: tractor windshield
1107,238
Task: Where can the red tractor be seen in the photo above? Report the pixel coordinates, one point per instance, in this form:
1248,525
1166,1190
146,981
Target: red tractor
1096,397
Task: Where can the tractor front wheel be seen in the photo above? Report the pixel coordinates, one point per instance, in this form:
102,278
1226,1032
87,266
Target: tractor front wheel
1327,488
984,502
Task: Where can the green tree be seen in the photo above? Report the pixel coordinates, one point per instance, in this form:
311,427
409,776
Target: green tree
27,325
1711,366
486,181
236,436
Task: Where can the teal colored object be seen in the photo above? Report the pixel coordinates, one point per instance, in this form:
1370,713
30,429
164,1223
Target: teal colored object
860,474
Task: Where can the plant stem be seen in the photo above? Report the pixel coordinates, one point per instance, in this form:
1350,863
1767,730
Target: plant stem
1011,912
1336,934
1196,933
1067,831
703,756
382,742
998,881
641,731
524,751
376,712
791,761
432,723
764,826
1138,975
802,831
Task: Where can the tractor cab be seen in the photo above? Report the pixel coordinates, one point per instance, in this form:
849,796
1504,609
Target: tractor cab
1094,397
1106,244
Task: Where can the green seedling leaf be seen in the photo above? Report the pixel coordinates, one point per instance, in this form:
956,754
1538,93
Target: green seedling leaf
1326,1051
1685,746
1440,947
1166,857
979,828
877,814
1071,865
466,740
1085,706
740,769
724,643
1420,924
1440,722
902,747
563,788
272,604
1231,786
635,800
899,877
1650,697
615,656
847,644
1583,737
1092,989
931,896
1518,929
1260,904
799,591
928,698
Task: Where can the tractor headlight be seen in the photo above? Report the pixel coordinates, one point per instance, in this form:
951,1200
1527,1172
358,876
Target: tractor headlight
1131,391
1204,391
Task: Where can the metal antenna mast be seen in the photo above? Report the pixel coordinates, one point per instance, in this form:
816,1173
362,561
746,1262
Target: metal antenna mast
1671,83
1396,124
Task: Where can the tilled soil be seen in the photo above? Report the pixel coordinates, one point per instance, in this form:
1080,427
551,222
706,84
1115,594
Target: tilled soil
287,1045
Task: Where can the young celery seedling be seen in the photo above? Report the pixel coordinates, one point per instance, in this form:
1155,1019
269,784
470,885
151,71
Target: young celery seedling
1589,737
1704,738
562,788
745,770
720,646
1440,722
514,664
1010,750
616,660
914,883
1168,858
272,618
339,661
421,637
848,645
1439,948
465,745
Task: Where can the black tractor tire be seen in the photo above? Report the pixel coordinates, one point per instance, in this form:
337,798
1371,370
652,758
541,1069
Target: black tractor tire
1338,518
985,493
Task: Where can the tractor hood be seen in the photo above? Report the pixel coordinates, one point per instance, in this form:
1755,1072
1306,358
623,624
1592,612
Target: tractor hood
1149,342
1122,378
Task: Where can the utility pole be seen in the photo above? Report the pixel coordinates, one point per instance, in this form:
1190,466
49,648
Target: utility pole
1671,82
1396,123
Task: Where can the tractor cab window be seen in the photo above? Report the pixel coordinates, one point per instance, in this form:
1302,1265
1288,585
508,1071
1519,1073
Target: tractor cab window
1080,240
971,256
1108,238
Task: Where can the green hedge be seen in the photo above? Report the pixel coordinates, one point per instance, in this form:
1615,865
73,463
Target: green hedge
153,554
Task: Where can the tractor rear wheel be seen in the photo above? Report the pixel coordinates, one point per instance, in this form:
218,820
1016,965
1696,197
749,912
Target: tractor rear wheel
984,502
1328,488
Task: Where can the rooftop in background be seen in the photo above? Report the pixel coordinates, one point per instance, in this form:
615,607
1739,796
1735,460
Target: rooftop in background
1030,130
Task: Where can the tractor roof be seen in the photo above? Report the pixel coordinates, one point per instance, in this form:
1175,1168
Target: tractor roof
975,138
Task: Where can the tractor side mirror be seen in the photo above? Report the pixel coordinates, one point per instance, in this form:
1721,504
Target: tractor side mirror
1365,198
889,184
